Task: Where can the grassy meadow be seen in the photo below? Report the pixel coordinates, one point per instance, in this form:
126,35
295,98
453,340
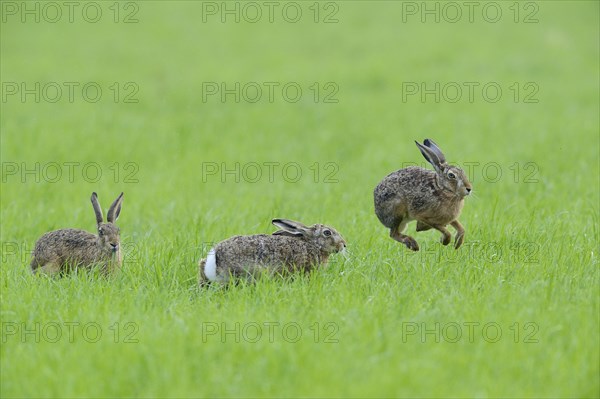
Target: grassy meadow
215,117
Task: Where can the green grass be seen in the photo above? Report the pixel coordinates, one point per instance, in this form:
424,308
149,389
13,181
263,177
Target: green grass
386,319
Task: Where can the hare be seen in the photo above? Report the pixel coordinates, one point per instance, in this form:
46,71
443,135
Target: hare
295,247
60,250
433,199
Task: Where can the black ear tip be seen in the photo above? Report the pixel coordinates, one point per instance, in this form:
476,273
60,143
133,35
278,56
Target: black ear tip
427,142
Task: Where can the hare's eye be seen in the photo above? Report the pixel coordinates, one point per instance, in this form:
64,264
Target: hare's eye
451,175
327,233
101,232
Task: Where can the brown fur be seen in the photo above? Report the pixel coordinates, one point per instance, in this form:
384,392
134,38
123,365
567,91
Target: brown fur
296,248
60,251
433,198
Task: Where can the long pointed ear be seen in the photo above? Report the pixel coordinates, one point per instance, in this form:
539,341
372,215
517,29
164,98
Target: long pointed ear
115,210
286,233
430,157
97,209
289,227
434,147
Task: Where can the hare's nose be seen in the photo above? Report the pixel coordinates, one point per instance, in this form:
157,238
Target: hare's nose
114,246
468,189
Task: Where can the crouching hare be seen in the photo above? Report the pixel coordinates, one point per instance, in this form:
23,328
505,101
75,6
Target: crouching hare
60,251
294,248
433,198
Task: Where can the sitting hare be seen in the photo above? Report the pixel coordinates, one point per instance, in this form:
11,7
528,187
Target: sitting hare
295,247
61,250
433,199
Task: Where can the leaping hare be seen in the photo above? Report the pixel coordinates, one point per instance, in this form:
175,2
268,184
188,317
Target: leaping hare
433,198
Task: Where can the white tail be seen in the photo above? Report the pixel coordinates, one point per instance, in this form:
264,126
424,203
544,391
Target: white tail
210,267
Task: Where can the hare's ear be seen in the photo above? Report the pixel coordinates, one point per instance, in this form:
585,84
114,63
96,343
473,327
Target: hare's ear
430,157
97,209
115,210
286,233
433,147
289,228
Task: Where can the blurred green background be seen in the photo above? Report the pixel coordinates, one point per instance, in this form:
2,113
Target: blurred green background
198,166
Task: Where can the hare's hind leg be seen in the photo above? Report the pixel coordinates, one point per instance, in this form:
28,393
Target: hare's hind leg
33,265
209,272
396,234
460,233
45,265
203,281
49,269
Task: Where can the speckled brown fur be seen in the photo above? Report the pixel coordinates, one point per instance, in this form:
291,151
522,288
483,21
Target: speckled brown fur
294,248
433,198
60,251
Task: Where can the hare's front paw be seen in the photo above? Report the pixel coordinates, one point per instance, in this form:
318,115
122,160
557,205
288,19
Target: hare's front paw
446,238
411,243
458,241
